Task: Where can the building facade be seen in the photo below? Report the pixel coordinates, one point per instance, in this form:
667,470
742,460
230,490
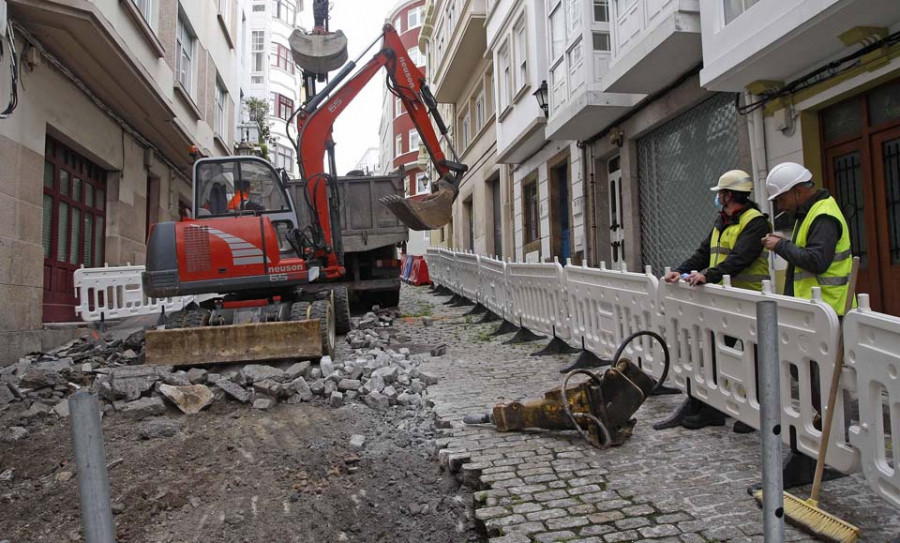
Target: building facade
398,137
90,161
272,77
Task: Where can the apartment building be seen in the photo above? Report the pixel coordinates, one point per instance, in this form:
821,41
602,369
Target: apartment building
462,77
272,77
821,85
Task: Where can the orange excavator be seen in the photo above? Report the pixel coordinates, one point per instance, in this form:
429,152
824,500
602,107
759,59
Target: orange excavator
278,287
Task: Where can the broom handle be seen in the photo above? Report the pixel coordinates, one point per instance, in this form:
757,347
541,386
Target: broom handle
832,394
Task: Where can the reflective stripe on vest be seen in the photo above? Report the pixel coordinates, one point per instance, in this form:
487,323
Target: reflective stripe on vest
721,245
835,281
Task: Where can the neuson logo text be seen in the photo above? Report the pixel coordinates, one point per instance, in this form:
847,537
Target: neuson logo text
409,79
288,268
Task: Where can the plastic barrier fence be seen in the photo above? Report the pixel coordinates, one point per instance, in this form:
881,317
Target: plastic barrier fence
467,276
606,306
419,275
538,296
448,259
711,332
494,294
116,292
872,351
406,265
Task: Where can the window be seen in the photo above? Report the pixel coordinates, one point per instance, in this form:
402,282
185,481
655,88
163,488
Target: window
465,133
282,106
451,18
557,33
573,16
415,55
531,212
733,8
479,112
398,106
284,157
221,93
414,18
413,141
223,8
601,11
146,9
283,58
284,10
259,50
259,7
422,185
521,51
504,82
398,145
257,79
184,48
601,41
397,24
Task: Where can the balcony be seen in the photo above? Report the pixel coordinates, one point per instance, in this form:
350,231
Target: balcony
776,40
77,33
587,113
656,41
466,44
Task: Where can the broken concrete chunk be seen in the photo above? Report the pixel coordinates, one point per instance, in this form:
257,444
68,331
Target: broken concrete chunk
6,395
388,373
336,399
299,387
189,399
417,386
428,379
196,375
330,386
440,350
36,378
391,394
62,409
336,376
263,403
158,427
55,366
177,379
259,372
300,369
37,409
357,442
318,387
376,384
376,400
234,390
326,365
14,433
349,384
143,408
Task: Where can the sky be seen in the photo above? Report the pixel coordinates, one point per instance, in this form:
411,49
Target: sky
356,129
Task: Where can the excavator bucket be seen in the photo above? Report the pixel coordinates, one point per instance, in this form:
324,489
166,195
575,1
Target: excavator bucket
424,211
319,53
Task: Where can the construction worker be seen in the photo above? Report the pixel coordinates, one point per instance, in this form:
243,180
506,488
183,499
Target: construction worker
240,196
818,254
733,248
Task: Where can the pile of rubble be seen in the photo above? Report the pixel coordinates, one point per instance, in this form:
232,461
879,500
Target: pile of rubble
375,375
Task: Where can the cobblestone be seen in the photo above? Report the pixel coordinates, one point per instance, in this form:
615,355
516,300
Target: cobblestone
672,486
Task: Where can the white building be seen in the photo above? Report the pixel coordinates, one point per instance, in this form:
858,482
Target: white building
272,75
369,163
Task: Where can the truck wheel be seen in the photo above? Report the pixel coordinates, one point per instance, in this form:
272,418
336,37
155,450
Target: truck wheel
341,310
300,311
323,311
174,320
195,318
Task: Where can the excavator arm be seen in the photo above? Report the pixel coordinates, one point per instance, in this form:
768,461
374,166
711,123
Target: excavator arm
316,119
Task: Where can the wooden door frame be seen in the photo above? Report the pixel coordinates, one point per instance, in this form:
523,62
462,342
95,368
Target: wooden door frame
553,201
888,275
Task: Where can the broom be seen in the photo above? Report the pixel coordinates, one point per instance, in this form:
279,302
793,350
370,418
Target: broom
805,514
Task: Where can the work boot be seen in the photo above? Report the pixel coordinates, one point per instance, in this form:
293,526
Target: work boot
741,428
688,407
707,416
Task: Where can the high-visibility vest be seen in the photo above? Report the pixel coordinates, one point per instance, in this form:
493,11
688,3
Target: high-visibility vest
722,243
835,282
238,199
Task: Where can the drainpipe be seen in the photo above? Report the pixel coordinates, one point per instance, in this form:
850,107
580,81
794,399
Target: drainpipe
760,161
587,209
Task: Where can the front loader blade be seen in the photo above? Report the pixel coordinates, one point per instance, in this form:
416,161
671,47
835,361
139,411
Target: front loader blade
424,212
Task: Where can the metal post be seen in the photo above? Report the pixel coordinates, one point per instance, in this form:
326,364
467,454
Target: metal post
90,462
770,421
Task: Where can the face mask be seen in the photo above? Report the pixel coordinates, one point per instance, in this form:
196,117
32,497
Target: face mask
718,203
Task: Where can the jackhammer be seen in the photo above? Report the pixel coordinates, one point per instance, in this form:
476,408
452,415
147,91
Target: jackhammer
600,408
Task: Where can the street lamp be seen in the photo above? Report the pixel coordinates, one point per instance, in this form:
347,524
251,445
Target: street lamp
541,95
244,148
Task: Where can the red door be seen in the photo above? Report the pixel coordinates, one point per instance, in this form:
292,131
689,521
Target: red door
74,224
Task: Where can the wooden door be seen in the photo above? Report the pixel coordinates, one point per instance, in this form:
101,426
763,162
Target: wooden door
886,188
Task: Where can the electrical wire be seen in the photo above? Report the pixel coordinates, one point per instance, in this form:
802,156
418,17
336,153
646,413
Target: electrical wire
829,71
13,72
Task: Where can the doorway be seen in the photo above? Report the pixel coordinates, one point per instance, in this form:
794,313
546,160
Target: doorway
560,220
861,142
616,217
497,205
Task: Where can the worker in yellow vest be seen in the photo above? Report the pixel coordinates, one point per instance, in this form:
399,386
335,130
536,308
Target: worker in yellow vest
819,253
734,248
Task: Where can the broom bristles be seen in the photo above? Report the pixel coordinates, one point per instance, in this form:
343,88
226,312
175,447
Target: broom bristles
809,518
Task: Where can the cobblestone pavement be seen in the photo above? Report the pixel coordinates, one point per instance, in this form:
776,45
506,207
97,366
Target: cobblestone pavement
668,486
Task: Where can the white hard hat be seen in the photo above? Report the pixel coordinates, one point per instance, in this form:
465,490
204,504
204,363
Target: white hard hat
736,180
784,177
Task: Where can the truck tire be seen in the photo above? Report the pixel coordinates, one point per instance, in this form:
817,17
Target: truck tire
323,311
174,320
300,311
341,310
195,318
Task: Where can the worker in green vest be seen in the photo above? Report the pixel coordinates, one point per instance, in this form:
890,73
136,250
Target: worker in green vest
819,254
733,248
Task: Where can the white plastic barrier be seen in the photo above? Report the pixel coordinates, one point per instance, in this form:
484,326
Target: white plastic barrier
538,296
116,292
494,294
431,258
872,347
607,306
445,263
467,276
711,332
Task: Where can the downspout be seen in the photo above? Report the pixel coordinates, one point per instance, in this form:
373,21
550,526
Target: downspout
587,192
760,162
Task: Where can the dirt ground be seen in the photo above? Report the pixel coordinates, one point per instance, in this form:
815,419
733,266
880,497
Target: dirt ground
233,474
